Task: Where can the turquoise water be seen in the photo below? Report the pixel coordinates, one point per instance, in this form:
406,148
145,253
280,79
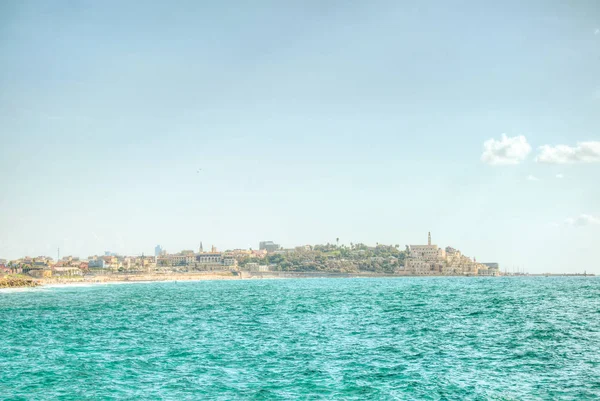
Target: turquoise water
404,338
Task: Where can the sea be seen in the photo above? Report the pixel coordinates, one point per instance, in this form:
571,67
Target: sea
429,338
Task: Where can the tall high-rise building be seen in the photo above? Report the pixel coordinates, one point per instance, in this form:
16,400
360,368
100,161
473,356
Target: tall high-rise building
158,250
268,246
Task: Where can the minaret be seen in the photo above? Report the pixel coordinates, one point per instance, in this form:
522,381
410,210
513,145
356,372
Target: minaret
201,249
429,238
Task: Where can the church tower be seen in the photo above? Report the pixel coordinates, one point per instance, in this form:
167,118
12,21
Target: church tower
429,238
201,248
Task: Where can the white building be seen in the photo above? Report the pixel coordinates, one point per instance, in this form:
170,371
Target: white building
209,257
255,267
430,259
182,259
424,259
427,252
228,260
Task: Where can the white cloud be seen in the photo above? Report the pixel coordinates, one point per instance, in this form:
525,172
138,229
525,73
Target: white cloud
583,220
559,176
532,178
583,152
505,151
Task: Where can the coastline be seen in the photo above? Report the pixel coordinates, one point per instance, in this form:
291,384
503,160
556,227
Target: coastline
199,276
25,282
227,275
137,278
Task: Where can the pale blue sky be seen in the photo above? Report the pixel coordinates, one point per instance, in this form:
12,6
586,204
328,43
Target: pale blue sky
310,121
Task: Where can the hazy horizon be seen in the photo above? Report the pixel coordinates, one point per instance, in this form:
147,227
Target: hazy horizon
124,126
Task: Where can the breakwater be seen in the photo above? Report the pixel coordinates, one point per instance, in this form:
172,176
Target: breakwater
17,281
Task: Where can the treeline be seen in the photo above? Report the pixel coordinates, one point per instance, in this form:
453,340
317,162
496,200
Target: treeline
334,258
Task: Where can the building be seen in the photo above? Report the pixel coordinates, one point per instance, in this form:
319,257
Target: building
259,254
255,267
427,252
429,259
241,253
451,251
158,250
111,261
424,259
493,269
228,259
268,246
209,258
199,261
183,259
144,261
67,271
97,263
40,273
418,266
42,261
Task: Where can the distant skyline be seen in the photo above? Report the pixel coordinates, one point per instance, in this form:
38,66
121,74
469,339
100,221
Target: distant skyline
124,125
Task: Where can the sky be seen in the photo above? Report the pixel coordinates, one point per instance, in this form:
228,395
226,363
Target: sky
127,124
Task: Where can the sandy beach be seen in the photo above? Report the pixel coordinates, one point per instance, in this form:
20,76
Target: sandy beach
132,278
197,276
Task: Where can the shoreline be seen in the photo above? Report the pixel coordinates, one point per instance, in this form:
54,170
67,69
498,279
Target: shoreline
212,276
137,278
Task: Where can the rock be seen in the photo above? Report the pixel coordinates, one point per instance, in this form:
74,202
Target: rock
17,281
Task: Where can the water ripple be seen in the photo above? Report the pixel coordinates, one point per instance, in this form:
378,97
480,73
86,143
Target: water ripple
406,338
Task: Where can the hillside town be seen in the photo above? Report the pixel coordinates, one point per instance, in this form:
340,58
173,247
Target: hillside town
430,259
414,260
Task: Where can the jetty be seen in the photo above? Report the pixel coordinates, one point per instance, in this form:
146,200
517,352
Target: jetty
17,281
